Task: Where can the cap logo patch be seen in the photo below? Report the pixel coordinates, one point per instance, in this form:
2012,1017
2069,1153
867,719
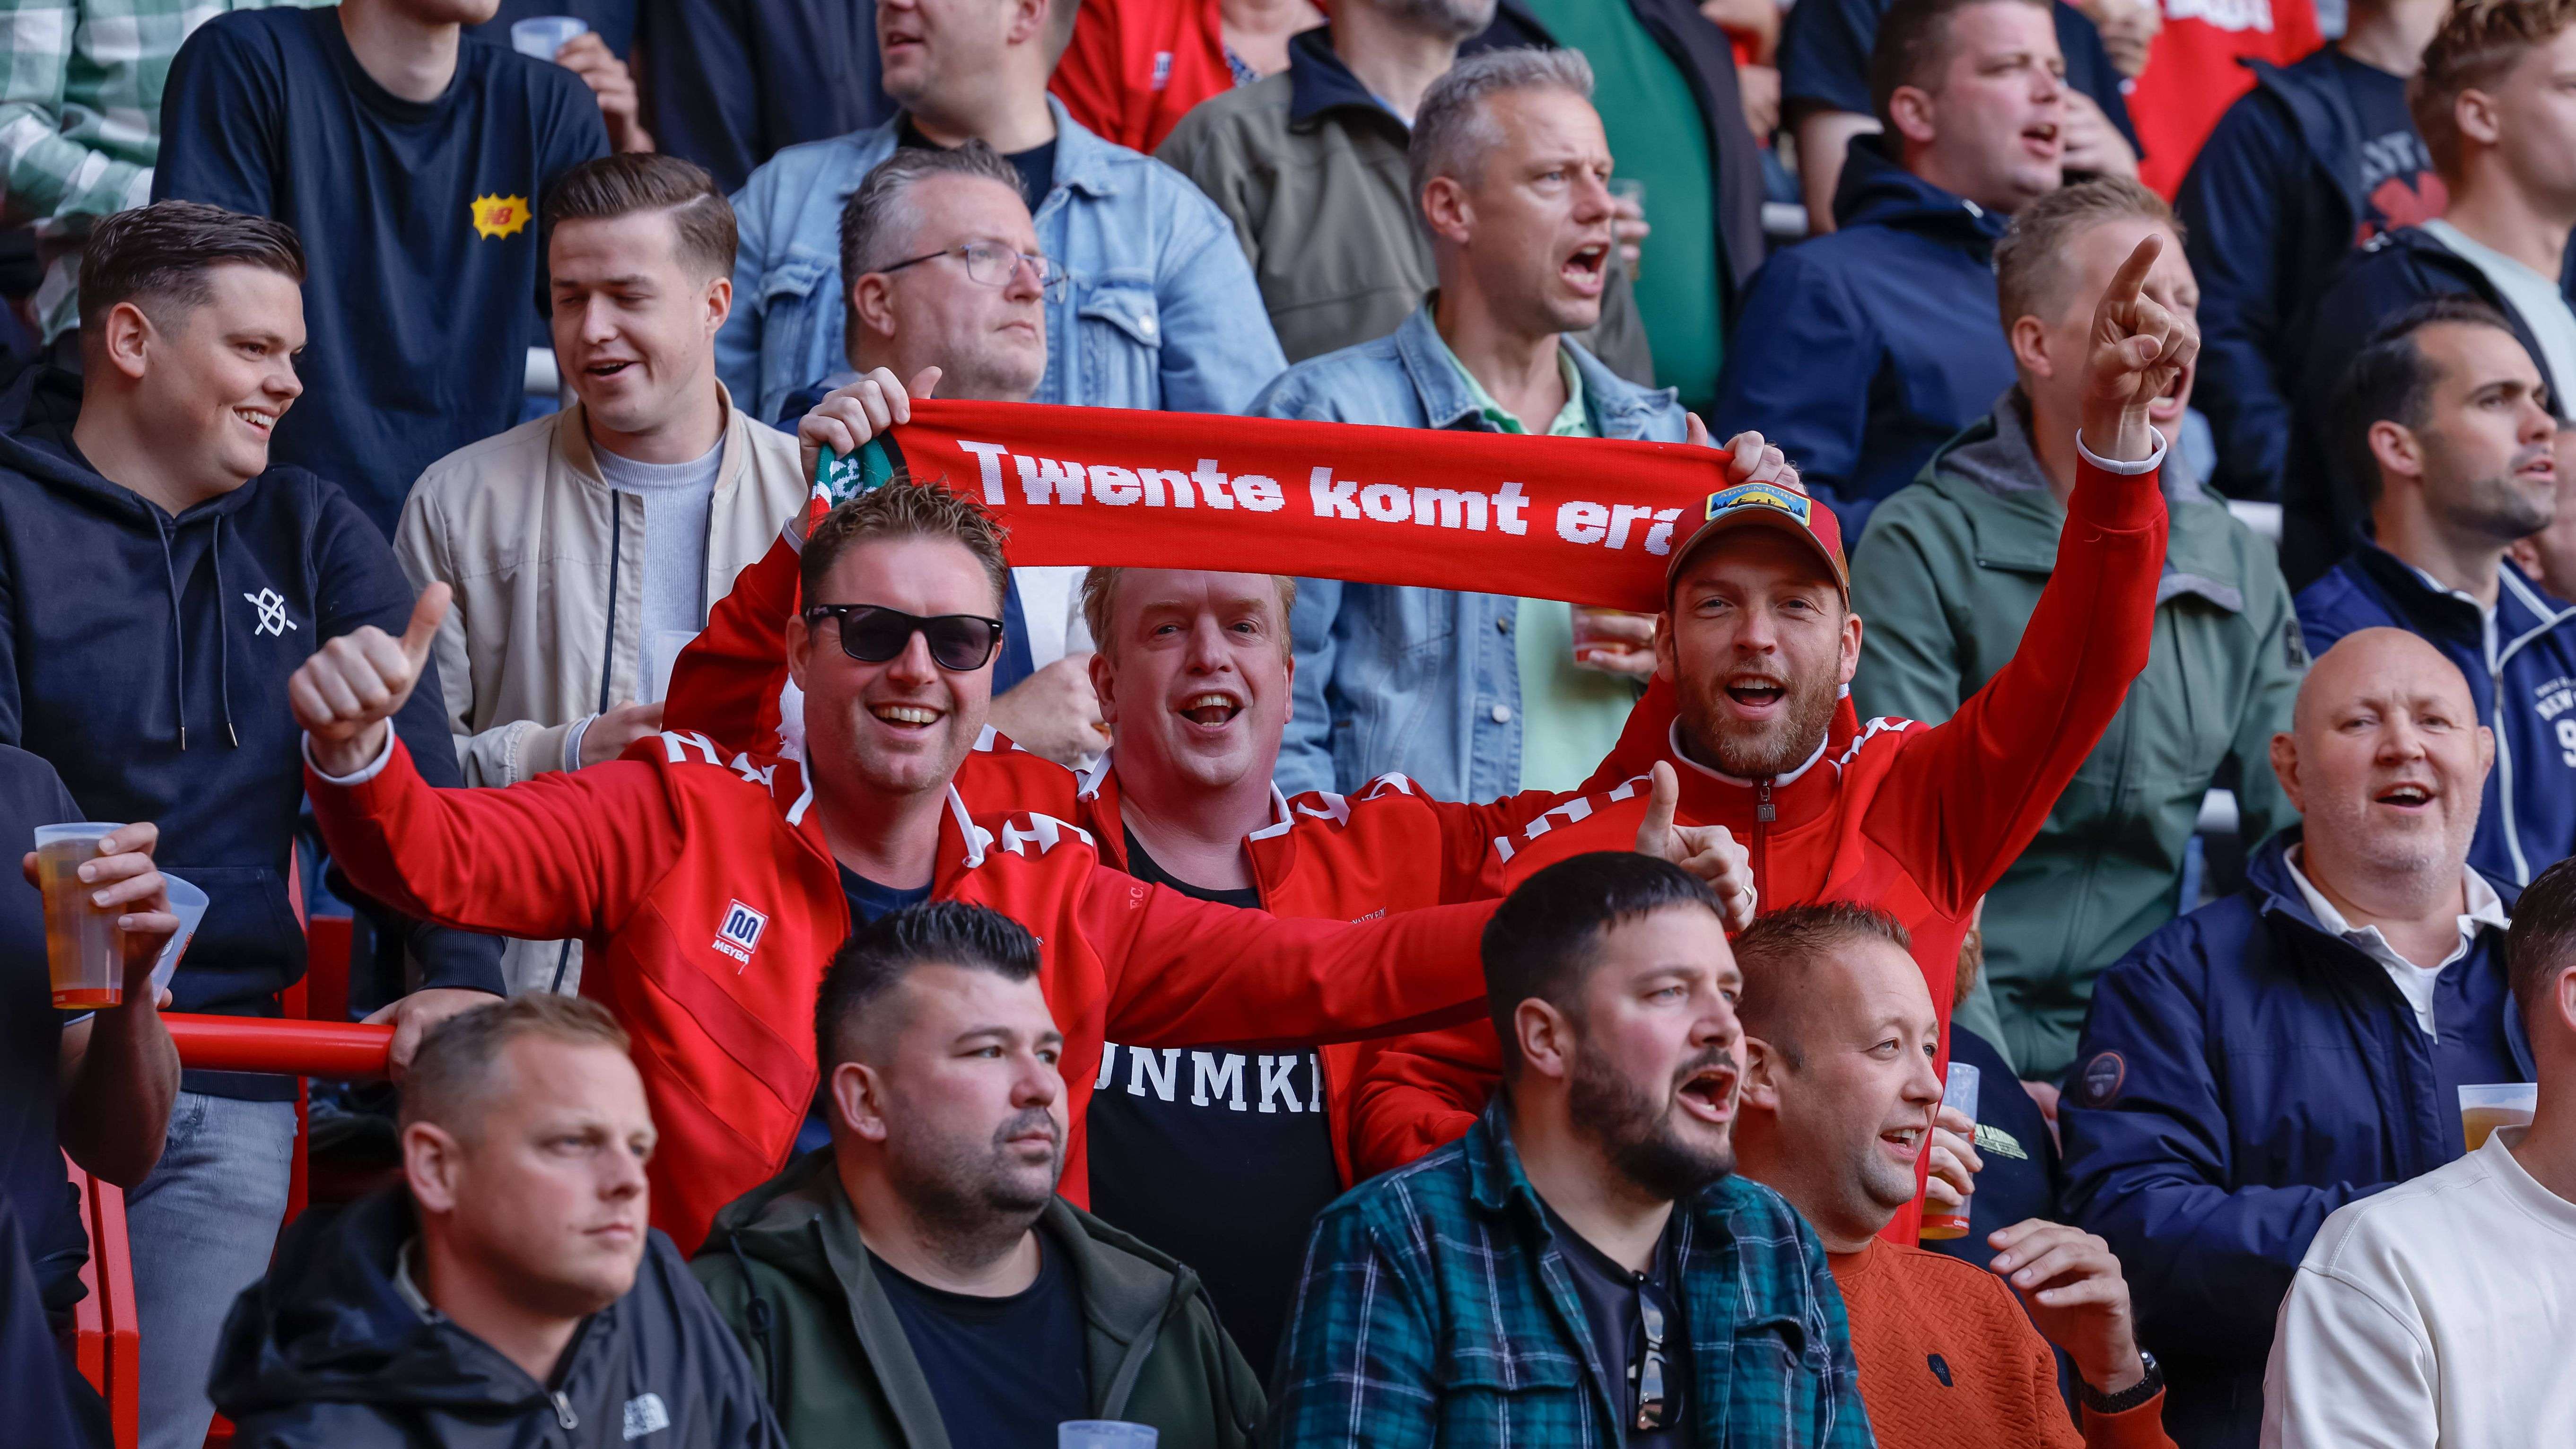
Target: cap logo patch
2103,1077
1759,495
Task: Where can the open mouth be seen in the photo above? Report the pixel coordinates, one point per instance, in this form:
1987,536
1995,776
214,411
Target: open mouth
2042,139
1588,268
259,422
1709,1093
1755,692
608,369
905,717
2166,406
1903,1142
2409,796
1212,708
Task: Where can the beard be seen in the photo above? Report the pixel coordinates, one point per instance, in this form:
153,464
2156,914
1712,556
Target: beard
2503,507
982,1197
1637,1131
1449,19
1761,751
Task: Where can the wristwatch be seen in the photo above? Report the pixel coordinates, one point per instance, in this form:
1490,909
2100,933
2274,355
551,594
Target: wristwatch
2130,1397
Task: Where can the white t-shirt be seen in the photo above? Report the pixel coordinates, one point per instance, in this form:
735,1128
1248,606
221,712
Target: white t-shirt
2441,1312
2536,298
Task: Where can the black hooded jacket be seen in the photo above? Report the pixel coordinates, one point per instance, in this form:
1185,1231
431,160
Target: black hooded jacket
327,1353
147,656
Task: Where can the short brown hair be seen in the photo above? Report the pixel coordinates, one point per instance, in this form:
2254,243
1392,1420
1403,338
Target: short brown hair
906,508
2478,43
1100,595
454,1068
2542,940
2031,262
162,254
1780,950
1913,47
607,187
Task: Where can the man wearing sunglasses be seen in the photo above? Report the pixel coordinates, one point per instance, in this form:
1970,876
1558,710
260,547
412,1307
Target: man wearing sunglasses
947,287
1839,1095
709,895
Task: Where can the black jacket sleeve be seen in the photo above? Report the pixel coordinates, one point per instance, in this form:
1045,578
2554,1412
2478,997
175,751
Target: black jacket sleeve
222,121
2237,205
729,82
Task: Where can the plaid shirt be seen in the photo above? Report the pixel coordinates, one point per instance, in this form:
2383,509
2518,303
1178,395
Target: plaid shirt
1436,1310
80,115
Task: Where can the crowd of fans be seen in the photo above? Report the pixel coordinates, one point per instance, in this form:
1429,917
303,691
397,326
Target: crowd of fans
857,974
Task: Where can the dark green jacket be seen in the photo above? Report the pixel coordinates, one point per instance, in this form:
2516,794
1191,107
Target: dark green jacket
841,1373
1944,583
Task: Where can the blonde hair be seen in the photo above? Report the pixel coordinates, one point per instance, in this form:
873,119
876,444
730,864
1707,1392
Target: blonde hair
2031,262
453,1069
2478,43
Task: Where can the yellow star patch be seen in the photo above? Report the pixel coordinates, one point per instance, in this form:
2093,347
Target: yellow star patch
500,215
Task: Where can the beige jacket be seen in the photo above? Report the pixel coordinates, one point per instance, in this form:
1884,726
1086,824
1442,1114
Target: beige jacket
523,528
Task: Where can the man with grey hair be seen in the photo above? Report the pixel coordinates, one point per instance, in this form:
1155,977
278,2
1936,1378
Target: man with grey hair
1159,310
509,1282
1309,164
1510,173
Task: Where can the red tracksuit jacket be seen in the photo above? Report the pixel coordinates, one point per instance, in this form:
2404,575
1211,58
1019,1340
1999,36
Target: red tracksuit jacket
707,899
1917,820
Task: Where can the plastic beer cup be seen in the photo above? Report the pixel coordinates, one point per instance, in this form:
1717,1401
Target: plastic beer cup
1959,1091
1104,1434
80,939
2504,1104
539,36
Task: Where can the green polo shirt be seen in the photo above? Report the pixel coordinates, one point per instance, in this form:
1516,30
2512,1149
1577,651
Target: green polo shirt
1570,716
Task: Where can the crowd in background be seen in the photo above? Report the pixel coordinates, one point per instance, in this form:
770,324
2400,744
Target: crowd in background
846,986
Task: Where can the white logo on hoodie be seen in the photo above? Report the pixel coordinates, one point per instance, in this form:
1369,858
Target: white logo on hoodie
272,613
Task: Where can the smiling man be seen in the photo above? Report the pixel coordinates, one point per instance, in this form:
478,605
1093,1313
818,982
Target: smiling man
1583,1267
586,547
987,1309
1839,1095
2451,421
509,1283
2285,1050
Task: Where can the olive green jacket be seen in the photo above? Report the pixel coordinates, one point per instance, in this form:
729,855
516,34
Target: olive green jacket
788,1271
1945,580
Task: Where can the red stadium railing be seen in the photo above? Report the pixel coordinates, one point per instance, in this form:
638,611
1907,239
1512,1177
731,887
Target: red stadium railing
340,1051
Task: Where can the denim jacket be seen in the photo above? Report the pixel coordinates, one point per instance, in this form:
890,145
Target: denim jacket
1421,681
1162,311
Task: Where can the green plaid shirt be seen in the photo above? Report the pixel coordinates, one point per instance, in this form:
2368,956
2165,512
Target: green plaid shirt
1436,1310
80,116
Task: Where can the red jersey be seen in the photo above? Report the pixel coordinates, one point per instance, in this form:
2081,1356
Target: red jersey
709,902
1135,67
2193,75
1916,820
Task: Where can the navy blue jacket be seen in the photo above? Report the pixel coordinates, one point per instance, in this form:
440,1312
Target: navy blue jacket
2271,206
2243,1075
2323,515
2524,682
756,76
1861,351
147,657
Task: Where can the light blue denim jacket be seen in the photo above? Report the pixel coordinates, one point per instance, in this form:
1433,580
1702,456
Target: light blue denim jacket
1421,681
1162,311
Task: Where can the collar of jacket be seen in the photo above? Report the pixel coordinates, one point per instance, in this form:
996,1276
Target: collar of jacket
1083,161
1798,795
1098,793
803,1224
2314,96
573,445
1876,191
1992,474
1619,408
1319,81
2522,609
2277,897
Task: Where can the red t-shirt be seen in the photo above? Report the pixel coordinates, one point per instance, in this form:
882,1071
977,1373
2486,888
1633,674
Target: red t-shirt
2192,74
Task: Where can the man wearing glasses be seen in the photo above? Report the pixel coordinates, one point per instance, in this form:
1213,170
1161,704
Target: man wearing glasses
708,895
1583,1267
947,289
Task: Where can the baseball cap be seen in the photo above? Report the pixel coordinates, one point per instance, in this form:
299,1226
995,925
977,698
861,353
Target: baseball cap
1783,507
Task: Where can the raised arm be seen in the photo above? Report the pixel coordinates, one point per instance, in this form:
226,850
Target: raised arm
1969,794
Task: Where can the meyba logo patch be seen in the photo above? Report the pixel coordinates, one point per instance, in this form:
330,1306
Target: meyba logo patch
738,932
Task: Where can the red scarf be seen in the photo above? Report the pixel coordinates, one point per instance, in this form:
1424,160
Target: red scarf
1586,520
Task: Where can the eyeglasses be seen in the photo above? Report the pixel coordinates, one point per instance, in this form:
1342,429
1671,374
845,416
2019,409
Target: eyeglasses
1646,1376
992,264
959,643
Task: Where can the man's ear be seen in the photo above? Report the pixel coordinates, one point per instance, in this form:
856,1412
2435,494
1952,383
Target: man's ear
872,304
1446,209
1546,1039
1667,660
1850,662
2396,449
1912,111
125,335
1763,1068
433,1165
2486,753
2475,116
800,648
2285,768
2028,337
719,304
859,1101
1104,685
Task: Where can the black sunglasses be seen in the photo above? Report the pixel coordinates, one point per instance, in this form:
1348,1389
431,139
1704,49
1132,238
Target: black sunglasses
1646,1377
870,634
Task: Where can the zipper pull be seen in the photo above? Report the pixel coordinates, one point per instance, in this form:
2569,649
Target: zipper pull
564,1414
1763,811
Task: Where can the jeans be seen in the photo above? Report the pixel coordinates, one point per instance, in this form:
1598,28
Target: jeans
202,1226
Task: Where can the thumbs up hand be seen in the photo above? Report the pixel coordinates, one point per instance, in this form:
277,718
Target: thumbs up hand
344,694
1710,852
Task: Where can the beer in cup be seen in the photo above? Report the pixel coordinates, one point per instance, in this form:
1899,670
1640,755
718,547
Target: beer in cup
1959,1091
1596,647
80,939
2503,1104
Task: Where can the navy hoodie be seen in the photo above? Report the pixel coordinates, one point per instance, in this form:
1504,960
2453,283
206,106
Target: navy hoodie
1862,351
327,1353
2243,1074
147,657
2521,673
2323,514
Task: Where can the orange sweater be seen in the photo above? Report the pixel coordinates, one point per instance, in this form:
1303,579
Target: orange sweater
1948,1360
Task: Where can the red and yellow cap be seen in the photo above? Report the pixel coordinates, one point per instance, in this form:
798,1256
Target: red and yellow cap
1783,507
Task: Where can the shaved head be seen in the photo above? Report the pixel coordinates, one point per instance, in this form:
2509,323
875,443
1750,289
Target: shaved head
2386,762
2368,660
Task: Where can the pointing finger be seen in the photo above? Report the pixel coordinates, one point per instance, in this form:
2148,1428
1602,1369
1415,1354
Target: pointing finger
2129,283
1656,831
427,613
